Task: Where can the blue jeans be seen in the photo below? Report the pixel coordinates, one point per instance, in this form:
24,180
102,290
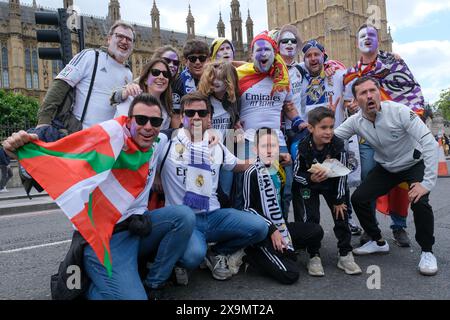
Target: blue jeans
172,228
367,164
239,181
231,229
226,181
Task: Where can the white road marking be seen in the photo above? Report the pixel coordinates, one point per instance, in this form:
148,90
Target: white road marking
36,247
32,214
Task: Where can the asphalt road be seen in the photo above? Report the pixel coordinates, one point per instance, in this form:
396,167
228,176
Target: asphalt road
32,245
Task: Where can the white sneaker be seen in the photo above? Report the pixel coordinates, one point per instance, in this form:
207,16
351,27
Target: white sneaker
315,267
348,264
428,264
371,247
4,190
234,261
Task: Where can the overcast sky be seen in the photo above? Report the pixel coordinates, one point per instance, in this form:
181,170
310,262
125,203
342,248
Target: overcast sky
419,28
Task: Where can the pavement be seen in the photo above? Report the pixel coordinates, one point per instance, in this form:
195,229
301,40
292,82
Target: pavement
33,243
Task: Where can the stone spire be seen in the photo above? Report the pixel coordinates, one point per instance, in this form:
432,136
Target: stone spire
68,3
249,27
221,27
190,21
114,11
15,23
156,29
236,29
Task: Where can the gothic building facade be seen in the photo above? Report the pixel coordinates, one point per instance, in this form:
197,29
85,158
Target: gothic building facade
334,23
22,71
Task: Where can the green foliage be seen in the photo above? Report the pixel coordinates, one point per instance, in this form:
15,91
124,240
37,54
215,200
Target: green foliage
443,105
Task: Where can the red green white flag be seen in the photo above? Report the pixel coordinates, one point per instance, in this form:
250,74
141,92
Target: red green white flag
94,176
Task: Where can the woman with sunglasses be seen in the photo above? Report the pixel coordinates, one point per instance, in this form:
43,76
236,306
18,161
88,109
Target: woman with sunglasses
155,79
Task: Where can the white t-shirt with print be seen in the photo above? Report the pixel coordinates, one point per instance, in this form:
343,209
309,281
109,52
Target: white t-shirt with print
221,120
110,76
260,109
173,173
319,96
295,77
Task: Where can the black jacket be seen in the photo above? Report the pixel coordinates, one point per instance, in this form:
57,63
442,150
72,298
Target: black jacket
308,155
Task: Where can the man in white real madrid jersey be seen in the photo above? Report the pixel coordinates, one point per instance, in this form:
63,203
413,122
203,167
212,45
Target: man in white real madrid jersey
189,168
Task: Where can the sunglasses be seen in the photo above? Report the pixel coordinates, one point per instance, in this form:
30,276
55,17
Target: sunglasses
157,72
193,59
286,41
176,63
154,121
191,113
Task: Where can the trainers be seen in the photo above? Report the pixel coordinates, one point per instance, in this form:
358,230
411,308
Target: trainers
356,231
401,238
4,190
218,266
315,268
364,238
371,247
428,264
348,264
234,261
181,276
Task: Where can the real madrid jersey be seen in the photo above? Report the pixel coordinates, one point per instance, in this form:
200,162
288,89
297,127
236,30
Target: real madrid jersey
173,172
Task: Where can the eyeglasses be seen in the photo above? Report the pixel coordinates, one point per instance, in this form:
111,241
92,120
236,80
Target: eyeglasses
143,120
157,72
286,41
193,59
123,37
175,62
191,113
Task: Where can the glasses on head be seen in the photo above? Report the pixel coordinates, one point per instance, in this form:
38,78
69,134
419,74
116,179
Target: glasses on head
143,120
193,59
175,62
157,72
191,113
286,41
123,37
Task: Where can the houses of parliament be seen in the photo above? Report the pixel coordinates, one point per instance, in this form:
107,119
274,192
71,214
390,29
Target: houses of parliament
332,22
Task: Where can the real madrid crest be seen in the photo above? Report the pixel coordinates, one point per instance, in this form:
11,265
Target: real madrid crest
179,149
200,181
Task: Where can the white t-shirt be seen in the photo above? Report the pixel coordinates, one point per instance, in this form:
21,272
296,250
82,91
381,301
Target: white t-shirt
110,77
221,120
295,77
259,109
123,108
317,93
173,173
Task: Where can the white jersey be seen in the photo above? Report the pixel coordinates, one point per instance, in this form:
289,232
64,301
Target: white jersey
123,108
260,109
317,92
173,172
110,76
296,80
221,120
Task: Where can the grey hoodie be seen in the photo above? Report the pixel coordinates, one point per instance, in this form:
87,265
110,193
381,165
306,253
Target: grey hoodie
399,137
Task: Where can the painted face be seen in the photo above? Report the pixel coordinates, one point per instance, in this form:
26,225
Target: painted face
173,61
121,43
225,53
314,59
288,45
263,55
268,149
219,86
157,84
144,135
322,132
368,40
369,98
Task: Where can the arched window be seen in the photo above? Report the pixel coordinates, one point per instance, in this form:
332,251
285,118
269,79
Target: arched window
35,70
28,79
4,67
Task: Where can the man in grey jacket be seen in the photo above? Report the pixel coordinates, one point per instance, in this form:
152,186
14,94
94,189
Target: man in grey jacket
405,150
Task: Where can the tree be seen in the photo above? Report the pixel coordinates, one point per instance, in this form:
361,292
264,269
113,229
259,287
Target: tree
443,104
16,112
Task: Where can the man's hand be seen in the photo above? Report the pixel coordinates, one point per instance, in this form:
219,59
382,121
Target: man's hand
319,176
278,241
17,140
302,126
331,105
157,184
416,191
132,89
340,210
285,159
330,71
352,106
214,137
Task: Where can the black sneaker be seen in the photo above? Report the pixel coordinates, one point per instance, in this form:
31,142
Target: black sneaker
401,238
364,238
356,231
154,294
